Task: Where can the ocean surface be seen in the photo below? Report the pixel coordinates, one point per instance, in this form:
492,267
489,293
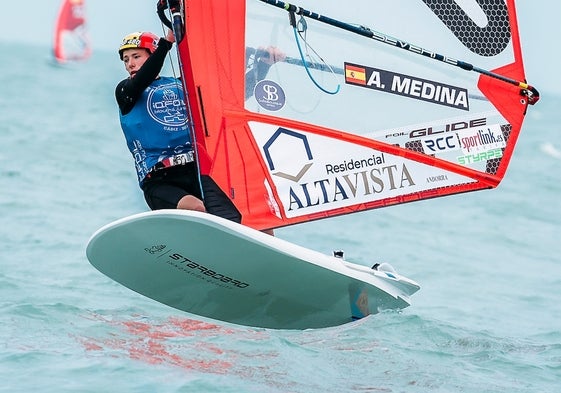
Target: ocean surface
486,320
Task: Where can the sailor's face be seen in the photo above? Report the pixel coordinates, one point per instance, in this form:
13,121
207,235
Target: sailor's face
134,59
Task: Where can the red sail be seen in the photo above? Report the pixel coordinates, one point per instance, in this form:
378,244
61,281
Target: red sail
71,42
374,126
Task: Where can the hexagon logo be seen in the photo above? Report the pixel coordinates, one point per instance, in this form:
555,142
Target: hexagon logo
301,157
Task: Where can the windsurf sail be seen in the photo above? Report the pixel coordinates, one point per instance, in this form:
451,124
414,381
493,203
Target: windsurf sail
71,41
376,104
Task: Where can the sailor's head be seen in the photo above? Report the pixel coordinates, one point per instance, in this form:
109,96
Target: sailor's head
139,40
136,49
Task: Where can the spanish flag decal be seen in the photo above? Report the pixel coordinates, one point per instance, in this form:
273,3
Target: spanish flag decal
354,74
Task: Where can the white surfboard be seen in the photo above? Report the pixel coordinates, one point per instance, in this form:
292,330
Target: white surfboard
215,268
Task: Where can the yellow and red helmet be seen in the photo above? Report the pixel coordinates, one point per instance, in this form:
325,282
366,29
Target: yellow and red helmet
138,39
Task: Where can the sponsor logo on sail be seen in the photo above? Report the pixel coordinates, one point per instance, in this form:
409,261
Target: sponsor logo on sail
308,184
438,178
482,139
269,95
434,130
476,158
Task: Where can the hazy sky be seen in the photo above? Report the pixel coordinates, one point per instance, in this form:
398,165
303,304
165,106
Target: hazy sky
110,20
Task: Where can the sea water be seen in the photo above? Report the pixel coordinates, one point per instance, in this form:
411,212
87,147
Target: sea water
487,317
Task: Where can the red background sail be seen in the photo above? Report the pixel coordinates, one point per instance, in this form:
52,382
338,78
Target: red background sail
71,20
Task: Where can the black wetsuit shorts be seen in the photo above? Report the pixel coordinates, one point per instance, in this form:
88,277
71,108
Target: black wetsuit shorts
163,189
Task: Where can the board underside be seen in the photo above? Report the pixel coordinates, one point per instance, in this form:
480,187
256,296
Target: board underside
217,269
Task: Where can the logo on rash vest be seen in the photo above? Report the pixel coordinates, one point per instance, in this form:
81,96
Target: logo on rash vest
167,107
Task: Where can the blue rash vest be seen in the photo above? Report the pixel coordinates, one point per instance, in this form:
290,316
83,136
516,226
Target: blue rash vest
157,126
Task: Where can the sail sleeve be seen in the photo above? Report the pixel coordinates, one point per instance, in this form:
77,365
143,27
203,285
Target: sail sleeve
375,104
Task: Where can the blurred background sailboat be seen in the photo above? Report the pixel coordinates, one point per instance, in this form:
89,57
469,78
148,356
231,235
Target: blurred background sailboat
71,41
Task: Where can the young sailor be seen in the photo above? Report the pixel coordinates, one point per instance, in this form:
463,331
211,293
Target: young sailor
155,124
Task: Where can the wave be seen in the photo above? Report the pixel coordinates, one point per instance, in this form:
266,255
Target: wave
549,149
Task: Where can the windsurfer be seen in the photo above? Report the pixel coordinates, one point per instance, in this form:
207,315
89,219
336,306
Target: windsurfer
154,121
